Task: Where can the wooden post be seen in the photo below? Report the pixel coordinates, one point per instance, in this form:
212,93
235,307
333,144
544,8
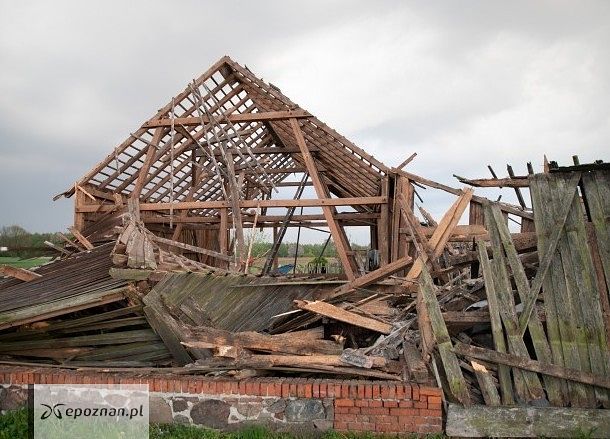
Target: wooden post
382,225
336,231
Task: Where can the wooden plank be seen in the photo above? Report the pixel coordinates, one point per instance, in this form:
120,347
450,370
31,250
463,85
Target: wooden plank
455,378
303,202
376,275
167,334
537,334
486,384
532,365
342,315
79,236
262,116
561,321
191,248
516,182
290,343
441,234
19,273
527,384
507,208
483,421
58,248
550,254
339,238
148,162
497,331
383,229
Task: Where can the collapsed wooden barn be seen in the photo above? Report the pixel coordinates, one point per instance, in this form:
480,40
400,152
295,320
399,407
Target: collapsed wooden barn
156,274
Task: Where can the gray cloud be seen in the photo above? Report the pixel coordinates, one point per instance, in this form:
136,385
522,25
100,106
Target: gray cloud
463,84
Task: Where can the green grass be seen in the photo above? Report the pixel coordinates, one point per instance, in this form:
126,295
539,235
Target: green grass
14,425
24,263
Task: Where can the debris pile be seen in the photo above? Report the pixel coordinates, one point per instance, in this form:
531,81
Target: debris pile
511,308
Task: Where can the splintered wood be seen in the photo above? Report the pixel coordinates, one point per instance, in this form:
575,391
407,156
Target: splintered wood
501,305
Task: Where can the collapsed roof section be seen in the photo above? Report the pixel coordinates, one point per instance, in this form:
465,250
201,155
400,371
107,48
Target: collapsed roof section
229,113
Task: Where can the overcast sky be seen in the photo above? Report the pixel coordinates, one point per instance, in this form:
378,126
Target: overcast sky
463,84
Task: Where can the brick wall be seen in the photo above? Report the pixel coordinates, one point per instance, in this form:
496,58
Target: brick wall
281,403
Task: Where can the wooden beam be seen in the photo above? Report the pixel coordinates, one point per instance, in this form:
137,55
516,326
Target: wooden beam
516,182
375,276
455,378
244,204
191,248
79,236
233,118
148,162
337,233
441,234
532,365
19,273
483,421
342,315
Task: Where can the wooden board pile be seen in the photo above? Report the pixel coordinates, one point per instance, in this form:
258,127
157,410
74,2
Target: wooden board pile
511,308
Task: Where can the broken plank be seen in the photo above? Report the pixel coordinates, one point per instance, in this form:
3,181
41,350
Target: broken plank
376,275
19,273
167,334
532,365
336,313
455,378
79,236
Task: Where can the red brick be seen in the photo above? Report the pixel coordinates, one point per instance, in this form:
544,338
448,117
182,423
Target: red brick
376,391
390,403
368,391
363,418
355,410
340,425
430,391
385,392
423,398
341,409
405,404
375,410
406,421
344,402
434,399
323,392
361,426
293,389
345,391
432,413
315,390
420,405
375,403
404,412
434,406
308,390
252,388
346,417
361,403
415,394
285,390
361,390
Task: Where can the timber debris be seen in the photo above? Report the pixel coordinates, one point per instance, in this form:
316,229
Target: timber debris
511,308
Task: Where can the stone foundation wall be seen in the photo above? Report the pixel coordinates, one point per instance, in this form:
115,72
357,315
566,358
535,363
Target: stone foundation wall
295,404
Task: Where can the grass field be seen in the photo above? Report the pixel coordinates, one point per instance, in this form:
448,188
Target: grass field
24,263
14,425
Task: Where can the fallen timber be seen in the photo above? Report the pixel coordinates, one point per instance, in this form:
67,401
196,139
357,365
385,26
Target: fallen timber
505,307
